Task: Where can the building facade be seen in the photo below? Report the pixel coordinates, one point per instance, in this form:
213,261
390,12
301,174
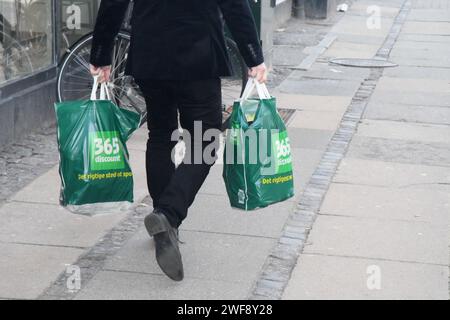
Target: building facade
35,34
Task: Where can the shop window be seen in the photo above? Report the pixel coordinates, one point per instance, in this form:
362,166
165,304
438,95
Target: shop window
26,41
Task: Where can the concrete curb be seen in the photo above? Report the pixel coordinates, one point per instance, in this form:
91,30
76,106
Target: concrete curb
315,53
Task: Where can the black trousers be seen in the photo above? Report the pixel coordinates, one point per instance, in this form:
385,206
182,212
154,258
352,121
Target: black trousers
171,104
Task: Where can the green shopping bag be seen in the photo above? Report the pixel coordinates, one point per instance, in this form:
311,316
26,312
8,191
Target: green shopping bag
257,158
94,161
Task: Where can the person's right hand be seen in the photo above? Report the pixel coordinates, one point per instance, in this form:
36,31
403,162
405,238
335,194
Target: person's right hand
259,73
104,73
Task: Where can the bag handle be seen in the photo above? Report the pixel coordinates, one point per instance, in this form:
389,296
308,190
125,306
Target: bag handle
264,89
261,88
104,91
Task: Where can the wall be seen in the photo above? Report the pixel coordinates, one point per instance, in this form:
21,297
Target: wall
29,109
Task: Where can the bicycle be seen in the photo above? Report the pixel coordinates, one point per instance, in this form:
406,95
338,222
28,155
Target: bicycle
74,81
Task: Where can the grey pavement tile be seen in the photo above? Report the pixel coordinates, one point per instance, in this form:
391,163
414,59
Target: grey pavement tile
321,120
400,151
138,140
341,49
418,205
426,50
137,163
429,15
287,55
324,87
424,38
379,239
331,278
206,256
361,38
310,138
407,113
331,71
391,174
423,132
412,98
313,103
305,161
300,34
430,4
214,184
442,62
28,270
357,25
213,213
406,85
44,189
110,285
388,9
52,225
417,73
426,27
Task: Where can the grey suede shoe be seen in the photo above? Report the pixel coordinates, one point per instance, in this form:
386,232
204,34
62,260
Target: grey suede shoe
165,236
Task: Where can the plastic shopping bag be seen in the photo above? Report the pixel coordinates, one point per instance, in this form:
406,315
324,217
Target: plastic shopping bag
257,158
94,161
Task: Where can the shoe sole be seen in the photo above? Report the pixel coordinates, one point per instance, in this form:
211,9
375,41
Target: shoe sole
169,258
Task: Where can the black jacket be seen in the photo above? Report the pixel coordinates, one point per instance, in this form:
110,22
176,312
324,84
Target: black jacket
177,39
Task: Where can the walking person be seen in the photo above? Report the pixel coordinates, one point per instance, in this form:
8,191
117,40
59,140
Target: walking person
177,56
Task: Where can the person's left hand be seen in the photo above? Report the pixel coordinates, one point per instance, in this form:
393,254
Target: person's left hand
259,73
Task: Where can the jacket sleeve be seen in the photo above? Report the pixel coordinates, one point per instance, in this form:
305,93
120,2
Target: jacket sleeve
240,21
109,20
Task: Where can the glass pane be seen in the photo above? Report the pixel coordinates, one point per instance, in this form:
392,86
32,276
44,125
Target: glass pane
25,37
78,19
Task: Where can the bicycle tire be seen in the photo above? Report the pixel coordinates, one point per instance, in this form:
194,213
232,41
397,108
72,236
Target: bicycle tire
81,71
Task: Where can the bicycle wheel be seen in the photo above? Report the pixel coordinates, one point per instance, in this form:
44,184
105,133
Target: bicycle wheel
233,86
75,81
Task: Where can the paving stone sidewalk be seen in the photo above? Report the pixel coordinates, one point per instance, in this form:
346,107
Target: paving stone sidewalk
226,252
42,244
382,231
